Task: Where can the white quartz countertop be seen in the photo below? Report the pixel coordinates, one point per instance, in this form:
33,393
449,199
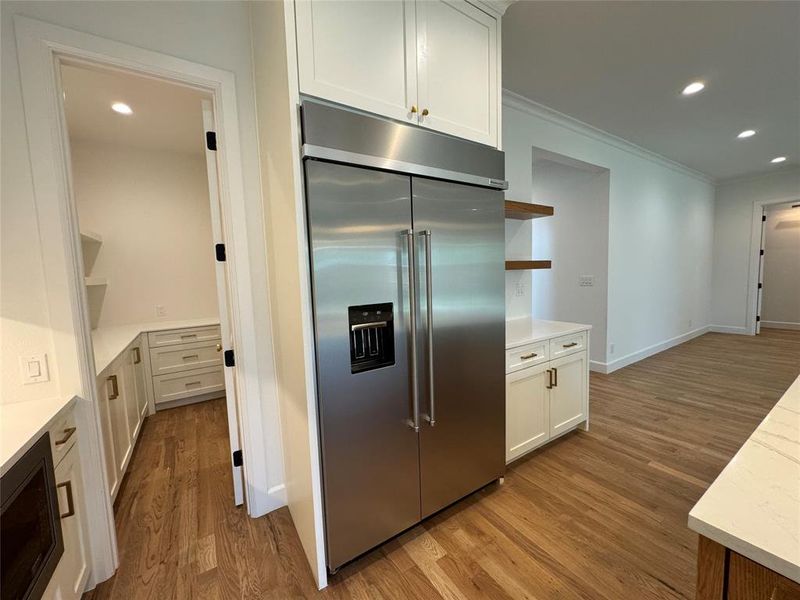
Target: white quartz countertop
109,342
22,423
525,330
753,507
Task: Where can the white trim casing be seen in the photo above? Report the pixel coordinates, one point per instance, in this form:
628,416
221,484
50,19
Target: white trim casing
40,47
755,255
780,325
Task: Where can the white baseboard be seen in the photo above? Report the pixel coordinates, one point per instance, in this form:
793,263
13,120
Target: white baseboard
729,329
780,325
598,367
633,357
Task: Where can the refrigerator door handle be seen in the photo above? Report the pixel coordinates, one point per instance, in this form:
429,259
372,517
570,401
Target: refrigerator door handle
412,321
431,418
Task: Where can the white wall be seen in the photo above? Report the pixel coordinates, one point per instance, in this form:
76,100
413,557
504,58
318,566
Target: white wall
579,195
152,209
780,302
733,220
660,230
277,109
211,33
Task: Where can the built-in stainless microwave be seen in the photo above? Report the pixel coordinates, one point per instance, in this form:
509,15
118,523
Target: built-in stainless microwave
30,528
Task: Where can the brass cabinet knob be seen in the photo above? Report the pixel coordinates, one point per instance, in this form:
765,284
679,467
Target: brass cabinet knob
425,112
413,109
219,347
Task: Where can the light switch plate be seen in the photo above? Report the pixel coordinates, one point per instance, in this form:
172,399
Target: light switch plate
34,368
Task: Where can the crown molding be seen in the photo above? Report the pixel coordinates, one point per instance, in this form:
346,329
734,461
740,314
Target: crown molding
786,171
495,7
525,105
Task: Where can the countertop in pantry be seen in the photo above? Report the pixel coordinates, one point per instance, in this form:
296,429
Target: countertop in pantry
524,330
753,506
22,423
109,342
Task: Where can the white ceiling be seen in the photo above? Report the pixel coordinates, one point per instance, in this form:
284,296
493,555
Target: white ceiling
620,66
165,116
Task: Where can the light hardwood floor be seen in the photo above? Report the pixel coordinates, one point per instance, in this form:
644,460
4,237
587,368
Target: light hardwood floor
594,515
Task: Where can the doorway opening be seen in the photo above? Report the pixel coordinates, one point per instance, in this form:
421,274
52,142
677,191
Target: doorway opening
778,299
144,178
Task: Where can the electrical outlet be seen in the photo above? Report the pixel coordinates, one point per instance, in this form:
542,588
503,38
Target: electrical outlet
611,348
34,368
161,310
586,280
519,289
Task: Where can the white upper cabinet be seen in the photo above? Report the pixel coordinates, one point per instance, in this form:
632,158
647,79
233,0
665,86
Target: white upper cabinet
457,69
362,54
433,63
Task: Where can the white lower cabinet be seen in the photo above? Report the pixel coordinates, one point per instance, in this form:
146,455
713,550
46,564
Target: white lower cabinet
72,572
527,410
546,399
568,394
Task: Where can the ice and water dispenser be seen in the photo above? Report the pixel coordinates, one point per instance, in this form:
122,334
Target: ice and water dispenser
371,336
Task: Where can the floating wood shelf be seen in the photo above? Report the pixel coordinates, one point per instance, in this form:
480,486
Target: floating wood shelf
522,265
524,210
91,237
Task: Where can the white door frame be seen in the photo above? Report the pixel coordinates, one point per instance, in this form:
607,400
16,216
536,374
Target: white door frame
41,48
755,259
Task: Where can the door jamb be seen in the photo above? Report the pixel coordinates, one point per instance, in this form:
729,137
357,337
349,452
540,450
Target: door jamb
755,253
41,48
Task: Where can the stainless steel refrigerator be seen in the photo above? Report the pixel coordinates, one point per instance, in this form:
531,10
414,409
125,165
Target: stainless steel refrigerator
406,234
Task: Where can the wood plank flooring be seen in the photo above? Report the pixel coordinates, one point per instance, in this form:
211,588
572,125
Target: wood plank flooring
599,514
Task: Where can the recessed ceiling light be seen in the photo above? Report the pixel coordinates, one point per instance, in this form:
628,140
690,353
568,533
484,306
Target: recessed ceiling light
747,133
778,159
693,88
122,108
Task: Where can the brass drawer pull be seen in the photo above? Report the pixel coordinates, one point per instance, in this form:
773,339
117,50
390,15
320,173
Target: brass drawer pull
549,379
527,356
188,356
138,357
70,501
191,383
67,434
114,387
570,345
555,376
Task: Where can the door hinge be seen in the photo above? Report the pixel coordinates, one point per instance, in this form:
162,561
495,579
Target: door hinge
229,359
762,252
763,217
760,285
758,318
211,140
219,251
237,458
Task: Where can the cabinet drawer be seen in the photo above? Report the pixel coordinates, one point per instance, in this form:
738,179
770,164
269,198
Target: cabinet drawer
174,359
526,356
62,436
183,336
178,386
567,344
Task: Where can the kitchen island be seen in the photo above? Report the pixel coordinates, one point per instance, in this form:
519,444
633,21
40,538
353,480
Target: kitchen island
749,519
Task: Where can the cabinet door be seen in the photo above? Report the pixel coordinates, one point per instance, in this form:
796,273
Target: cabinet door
569,394
120,434
140,379
104,391
73,568
129,394
362,54
457,69
527,408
